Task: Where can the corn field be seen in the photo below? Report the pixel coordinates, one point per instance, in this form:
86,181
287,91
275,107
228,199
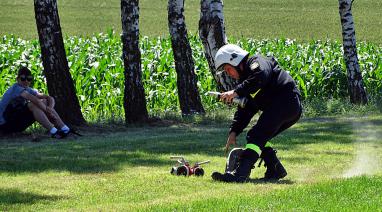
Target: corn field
97,69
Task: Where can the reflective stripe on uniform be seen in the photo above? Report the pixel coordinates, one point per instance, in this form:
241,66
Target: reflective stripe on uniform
254,94
254,147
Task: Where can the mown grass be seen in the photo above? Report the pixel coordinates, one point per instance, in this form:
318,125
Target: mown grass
128,169
303,19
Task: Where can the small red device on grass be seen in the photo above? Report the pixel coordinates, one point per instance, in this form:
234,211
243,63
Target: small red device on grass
184,168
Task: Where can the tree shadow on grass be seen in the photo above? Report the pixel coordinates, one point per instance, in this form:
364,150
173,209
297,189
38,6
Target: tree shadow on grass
313,131
152,146
101,153
9,197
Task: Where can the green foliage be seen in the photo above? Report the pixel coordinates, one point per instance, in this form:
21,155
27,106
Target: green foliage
97,69
318,66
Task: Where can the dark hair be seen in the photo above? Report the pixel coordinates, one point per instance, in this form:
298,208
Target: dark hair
24,71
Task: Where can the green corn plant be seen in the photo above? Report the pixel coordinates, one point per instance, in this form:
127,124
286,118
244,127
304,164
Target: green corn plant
97,69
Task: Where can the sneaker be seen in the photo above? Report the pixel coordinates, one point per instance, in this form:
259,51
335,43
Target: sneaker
60,134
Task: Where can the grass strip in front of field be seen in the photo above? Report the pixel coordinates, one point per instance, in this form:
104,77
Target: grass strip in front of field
128,169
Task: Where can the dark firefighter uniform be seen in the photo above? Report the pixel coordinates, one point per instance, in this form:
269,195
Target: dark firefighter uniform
270,90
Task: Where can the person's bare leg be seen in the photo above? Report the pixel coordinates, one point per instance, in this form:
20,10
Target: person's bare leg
40,116
54,118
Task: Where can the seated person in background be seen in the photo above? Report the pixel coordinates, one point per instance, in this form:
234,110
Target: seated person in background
21,106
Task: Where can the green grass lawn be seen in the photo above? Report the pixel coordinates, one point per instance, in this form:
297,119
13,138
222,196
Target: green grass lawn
333,164
302,19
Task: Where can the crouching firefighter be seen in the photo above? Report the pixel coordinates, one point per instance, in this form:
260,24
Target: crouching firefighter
267,88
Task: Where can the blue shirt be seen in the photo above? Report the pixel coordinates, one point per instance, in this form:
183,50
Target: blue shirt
14,91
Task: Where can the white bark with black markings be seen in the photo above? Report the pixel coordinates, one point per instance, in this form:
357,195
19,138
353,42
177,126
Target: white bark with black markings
188,93
212,34
134,94
355,83
56,70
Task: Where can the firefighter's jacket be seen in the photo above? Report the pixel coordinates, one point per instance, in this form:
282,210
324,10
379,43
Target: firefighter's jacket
261,81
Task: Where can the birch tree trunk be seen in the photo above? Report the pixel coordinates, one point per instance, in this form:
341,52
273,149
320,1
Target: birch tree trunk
56,69
355,83
134,93
212,34
188,93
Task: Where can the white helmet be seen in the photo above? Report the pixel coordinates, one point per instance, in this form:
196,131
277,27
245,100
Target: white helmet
231,54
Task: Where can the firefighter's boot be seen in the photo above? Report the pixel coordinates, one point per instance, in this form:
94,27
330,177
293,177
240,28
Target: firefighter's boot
241,173
275,170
